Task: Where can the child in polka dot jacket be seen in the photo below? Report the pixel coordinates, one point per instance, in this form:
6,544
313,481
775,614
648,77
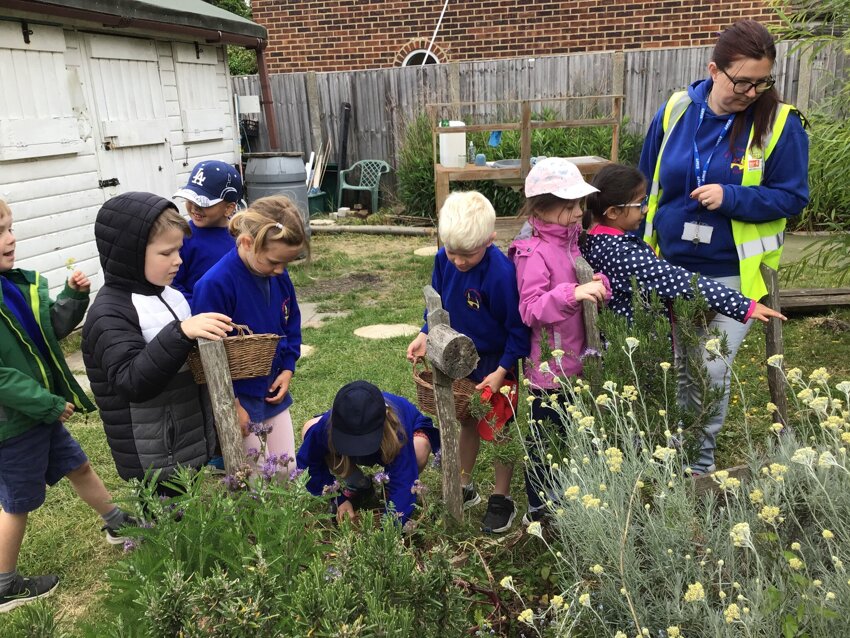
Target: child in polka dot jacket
618,209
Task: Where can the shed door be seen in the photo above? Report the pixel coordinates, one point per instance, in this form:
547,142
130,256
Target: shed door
130,115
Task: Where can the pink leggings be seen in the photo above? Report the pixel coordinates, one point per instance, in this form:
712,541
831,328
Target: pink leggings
279,441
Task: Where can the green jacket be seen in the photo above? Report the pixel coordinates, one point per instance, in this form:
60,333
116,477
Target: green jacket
34,391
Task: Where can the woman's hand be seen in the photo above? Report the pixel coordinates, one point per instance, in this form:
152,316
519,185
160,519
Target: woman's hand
280,387
709,196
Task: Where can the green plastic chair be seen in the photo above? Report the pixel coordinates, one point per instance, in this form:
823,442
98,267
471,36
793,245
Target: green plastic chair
370,172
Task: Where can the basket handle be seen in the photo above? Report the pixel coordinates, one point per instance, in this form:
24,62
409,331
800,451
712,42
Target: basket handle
420,361
241,329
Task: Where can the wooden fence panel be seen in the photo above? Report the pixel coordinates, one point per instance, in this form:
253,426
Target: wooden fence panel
383,101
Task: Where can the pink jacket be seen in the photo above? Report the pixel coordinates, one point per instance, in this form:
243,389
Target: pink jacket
546,279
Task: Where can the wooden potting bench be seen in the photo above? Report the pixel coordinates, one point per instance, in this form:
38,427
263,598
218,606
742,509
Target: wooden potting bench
514,176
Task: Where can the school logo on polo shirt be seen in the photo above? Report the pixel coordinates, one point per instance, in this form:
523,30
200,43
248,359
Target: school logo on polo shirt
284,308
473,298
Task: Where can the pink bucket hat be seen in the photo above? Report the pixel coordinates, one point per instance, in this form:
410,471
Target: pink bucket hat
558,177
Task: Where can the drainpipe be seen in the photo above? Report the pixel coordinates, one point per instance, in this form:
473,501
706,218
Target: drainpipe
266,98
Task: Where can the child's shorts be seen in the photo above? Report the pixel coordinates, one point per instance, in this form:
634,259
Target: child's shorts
33,460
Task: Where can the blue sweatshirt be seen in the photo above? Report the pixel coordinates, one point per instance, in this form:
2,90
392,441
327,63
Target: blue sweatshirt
230,288
783,193
483,304
200,252
402,471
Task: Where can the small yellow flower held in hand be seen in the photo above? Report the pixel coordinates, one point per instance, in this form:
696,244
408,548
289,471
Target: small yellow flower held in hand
695,593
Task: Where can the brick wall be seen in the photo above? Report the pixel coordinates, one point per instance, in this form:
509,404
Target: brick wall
342,35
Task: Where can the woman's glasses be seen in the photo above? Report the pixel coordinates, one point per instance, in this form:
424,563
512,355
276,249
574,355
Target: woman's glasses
742,87
642,204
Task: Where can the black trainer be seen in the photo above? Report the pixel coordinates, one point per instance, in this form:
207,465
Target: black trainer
25,590
540,515
113,536
500,514
471,498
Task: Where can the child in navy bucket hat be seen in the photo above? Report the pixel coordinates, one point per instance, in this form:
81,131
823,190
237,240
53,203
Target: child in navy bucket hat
211,196
367,427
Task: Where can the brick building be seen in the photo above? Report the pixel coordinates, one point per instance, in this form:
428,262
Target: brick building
341,35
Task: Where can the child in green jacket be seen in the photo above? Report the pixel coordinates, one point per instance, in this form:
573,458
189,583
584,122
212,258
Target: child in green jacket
37,395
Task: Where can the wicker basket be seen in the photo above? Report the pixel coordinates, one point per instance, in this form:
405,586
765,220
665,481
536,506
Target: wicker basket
248,355
462,389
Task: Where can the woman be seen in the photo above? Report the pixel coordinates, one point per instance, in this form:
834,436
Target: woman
728,166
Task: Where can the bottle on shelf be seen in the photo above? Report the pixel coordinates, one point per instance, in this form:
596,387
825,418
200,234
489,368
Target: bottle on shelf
470,153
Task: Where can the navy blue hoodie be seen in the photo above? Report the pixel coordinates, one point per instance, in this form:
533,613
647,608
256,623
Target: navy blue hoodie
783,193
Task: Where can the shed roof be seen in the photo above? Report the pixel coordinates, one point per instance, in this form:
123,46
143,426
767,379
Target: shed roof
189,13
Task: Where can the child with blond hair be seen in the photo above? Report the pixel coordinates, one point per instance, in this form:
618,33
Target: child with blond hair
477,285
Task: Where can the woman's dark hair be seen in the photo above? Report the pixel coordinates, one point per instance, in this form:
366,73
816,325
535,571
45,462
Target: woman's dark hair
749,39
616,184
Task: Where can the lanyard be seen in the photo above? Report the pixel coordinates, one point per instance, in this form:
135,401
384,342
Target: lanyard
726,127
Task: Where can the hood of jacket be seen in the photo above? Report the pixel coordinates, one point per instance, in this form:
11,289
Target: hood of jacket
121,231
699,90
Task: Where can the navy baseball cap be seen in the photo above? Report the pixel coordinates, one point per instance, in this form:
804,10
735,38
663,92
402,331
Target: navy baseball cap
357,419
211,182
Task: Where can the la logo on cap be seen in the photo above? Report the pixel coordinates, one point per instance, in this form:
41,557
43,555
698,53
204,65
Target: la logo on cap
199,178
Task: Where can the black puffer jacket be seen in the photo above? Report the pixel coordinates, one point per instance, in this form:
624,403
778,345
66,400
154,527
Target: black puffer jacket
154,414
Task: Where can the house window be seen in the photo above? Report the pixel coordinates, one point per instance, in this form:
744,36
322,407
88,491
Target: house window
415,58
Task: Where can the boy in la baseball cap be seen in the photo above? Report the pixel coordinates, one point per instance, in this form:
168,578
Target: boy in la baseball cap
211,196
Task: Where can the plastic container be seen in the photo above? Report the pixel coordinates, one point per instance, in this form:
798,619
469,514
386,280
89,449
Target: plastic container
278,174
453,147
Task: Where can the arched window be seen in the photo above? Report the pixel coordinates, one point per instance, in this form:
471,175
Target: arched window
415,58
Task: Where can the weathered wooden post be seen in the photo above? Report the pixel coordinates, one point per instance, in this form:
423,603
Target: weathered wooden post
220,385
584,274
452,356
775,345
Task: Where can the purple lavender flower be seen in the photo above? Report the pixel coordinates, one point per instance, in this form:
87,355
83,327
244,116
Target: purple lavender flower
294,474
130,545
418,487
253,454
268,469
438,460
284,459
381,478
261,429
333,488
588,352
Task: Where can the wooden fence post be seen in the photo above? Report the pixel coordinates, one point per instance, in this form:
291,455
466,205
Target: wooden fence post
220,385
584,274
775,345
452,356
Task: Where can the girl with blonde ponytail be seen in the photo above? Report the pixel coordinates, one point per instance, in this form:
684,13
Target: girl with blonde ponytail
252,283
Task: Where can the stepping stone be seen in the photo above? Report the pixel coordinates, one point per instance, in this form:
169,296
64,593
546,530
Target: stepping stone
312,318
306,350
426,251
387,331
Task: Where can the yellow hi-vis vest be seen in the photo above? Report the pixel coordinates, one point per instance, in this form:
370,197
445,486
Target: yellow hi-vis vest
756,243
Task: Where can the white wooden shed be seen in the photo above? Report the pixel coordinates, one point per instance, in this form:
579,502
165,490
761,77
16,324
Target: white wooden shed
101,98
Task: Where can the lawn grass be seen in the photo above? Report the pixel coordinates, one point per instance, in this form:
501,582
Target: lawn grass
379,280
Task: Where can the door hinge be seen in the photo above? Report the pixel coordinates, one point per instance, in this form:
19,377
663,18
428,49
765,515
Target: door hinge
105,183
26,31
